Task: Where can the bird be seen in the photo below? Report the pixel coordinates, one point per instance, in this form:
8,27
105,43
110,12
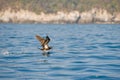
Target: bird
44,42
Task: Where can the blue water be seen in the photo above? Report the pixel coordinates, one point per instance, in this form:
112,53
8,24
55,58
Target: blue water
80,52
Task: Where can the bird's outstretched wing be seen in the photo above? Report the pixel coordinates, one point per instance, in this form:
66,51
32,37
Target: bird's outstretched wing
42,40
47,40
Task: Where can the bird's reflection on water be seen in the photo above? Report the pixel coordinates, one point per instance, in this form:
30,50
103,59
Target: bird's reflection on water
46,54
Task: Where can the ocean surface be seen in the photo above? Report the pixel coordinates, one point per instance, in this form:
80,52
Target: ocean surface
79,52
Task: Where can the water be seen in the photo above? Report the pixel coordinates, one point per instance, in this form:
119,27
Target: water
80,52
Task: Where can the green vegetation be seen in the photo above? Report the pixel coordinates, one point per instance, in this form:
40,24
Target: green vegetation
51,6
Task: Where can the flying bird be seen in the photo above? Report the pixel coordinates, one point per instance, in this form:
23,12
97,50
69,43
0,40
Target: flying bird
44,42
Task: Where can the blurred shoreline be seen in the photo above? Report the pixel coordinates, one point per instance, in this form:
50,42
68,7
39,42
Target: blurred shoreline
95,15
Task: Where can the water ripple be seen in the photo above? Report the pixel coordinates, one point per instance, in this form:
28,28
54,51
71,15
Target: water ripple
80,52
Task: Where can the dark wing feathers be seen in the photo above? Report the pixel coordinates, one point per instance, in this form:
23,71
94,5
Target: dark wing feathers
42,40
47,40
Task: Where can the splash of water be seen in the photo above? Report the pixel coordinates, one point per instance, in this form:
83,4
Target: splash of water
5,52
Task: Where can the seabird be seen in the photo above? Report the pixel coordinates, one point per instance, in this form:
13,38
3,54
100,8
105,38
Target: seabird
44,42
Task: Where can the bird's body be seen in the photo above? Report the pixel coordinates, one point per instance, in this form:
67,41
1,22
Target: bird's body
44,42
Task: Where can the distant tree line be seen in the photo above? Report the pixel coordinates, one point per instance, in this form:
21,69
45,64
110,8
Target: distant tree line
52,6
